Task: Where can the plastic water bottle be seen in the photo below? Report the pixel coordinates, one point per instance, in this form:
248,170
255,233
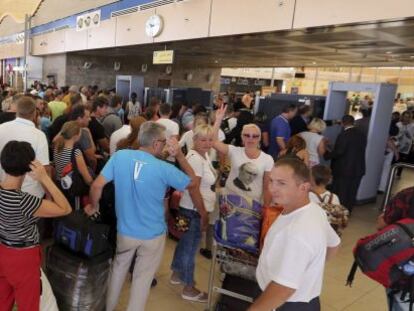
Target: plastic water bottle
408,268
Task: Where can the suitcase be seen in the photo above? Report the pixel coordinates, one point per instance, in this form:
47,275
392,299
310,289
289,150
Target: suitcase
78,283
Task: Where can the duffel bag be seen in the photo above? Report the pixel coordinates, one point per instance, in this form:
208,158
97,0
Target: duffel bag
82,235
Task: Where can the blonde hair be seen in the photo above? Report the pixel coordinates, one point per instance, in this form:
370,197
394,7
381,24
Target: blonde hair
69,130
317,125
251,125
202,130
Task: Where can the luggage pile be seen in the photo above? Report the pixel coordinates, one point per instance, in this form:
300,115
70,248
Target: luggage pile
78,264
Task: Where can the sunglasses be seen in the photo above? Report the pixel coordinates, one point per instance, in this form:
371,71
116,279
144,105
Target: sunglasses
251,136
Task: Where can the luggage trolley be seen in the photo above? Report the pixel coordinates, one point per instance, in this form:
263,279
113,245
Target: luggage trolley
228,257
235,246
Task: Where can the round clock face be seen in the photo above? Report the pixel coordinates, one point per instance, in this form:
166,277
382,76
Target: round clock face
153,26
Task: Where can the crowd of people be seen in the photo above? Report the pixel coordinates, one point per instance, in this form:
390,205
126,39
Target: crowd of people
145,151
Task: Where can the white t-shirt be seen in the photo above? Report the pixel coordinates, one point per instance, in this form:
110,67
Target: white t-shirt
116,136
232,123
294,252
325,197
171,127
250,182
25,130
312,143
202,168
134,110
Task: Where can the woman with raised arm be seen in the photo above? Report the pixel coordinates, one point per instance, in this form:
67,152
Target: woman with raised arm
250,166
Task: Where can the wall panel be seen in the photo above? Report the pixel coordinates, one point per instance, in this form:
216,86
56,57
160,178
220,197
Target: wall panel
333,12
246,16
130,29
185,20
102,36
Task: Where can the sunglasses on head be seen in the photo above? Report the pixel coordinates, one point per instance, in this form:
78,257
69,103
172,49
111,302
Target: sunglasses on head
251,136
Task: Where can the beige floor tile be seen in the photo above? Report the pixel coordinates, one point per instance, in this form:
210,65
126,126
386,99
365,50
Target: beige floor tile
375,300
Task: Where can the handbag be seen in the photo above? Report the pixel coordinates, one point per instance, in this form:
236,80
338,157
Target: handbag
72,181
182,223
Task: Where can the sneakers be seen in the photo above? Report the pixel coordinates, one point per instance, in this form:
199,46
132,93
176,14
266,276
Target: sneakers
175,280
200,297
206,253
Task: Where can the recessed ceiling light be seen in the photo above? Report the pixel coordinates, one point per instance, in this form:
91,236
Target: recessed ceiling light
389,52
216,61
313,63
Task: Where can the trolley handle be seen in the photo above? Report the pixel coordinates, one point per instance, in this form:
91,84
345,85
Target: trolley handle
391,179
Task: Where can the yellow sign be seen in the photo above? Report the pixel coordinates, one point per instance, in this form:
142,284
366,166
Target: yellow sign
163,57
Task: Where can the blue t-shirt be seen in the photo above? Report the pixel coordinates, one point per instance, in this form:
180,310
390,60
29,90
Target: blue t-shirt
279,127
141,181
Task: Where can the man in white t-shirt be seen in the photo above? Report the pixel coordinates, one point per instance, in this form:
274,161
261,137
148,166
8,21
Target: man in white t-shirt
291,265
172,129
23,128
117,136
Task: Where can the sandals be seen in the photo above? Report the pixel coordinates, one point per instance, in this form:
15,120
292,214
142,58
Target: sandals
200,297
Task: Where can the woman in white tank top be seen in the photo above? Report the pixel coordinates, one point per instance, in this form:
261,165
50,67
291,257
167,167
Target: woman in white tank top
315,142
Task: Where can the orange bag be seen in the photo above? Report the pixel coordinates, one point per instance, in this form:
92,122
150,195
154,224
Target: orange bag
269,215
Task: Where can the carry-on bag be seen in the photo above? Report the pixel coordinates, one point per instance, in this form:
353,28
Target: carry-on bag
387,257
82,235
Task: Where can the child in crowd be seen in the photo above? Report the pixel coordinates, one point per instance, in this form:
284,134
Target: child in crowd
321,177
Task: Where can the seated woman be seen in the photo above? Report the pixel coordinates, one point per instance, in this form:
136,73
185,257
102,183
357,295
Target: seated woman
19,237
66,151
296,147
195,211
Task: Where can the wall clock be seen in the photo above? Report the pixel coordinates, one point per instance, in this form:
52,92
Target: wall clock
153,26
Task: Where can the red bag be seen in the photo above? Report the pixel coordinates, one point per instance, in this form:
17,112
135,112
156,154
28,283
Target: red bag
382,256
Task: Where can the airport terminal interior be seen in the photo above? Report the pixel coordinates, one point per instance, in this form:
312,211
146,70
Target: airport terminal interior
239,85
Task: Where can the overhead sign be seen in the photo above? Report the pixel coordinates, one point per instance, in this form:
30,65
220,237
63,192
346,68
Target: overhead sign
163,57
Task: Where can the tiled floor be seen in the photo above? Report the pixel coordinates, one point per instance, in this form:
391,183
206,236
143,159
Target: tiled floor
365,295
